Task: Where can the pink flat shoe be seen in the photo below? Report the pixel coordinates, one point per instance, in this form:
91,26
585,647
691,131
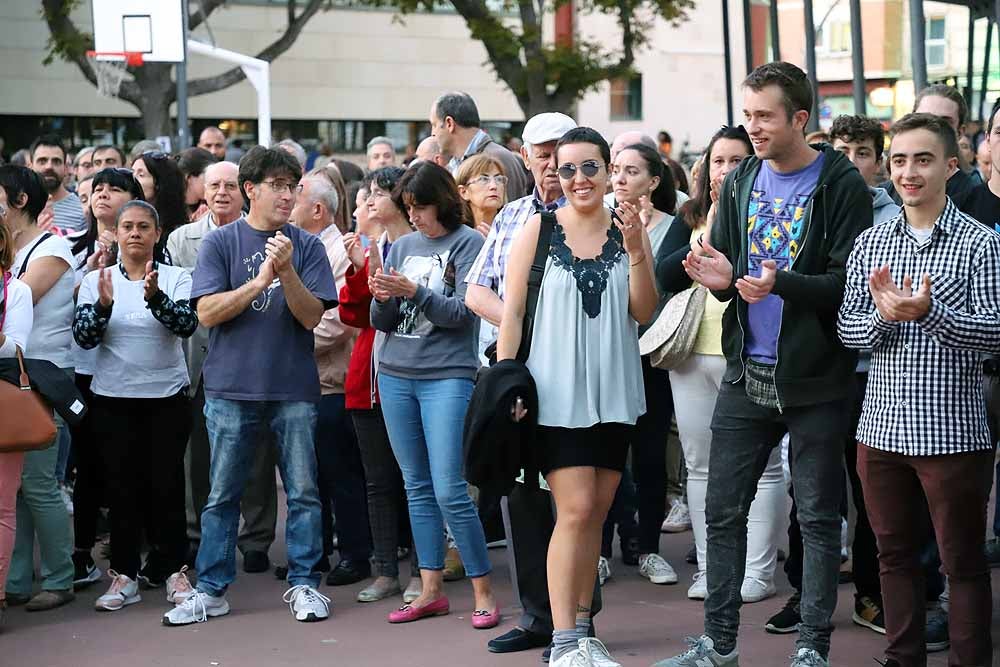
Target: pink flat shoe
484,620
408,613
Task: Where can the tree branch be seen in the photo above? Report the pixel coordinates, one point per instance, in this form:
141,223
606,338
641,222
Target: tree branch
503,46
196,18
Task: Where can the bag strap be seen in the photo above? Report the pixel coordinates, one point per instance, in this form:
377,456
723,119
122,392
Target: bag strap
24,264
24,380
5,278
535,281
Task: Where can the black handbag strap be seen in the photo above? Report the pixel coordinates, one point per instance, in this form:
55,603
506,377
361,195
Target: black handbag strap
27,258
535,281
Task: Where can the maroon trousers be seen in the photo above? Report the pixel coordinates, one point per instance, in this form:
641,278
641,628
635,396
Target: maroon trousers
957,488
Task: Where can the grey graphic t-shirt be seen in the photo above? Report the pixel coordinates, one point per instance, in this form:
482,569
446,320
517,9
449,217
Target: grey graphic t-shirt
264,353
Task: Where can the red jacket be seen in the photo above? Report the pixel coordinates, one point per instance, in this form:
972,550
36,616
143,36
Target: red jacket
361,392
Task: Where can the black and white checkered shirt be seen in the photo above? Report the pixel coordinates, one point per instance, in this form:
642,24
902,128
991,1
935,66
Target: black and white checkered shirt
925,386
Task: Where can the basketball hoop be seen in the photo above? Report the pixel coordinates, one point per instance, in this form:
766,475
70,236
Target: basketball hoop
111,69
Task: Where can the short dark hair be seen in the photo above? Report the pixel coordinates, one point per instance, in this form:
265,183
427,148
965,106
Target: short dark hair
993,112
585,135
664,136
460,106
934,124
949,93
387,178
858,129
428,184
47,140
194,161
17,181
796,91
111,147
664,197
260,163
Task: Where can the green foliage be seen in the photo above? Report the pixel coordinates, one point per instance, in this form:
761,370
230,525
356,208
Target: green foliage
65,44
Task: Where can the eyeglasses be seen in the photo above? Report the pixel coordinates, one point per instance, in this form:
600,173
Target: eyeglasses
375,194
567,170
484,179
229,186
277,187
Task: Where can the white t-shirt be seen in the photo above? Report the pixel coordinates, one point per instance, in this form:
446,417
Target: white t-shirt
138,357
52,334
18,318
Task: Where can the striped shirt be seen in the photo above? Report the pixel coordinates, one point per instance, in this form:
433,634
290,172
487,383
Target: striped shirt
68,214
925,394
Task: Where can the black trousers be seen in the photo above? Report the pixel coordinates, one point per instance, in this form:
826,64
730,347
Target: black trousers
88,491
143,442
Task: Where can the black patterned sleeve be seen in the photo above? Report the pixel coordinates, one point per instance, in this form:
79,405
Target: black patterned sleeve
177,316
90,321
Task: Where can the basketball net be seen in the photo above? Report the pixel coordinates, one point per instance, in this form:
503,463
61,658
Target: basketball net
110,74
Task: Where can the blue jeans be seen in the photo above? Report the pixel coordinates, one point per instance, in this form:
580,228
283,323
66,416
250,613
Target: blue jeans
234,429
425,420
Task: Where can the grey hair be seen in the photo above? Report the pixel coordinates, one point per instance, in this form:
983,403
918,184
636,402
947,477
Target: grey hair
144,146
138,203
295,148
379,140
321,190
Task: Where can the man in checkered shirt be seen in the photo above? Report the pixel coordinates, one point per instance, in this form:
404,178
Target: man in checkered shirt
923,291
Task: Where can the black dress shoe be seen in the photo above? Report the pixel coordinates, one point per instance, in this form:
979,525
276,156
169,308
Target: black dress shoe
516,640
255,562
349,572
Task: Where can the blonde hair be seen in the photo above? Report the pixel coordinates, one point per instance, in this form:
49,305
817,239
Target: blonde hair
473,167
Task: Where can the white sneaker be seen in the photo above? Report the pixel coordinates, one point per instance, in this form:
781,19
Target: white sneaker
806,657
307,604
678,519
575,658
597,652
122,592
755,590
603,570
198,608
179,587
699,589
656,569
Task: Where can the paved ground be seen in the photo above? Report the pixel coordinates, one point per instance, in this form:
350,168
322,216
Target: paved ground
641,623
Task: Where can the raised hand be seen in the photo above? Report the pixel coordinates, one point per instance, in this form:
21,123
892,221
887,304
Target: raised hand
279,249
897,304
98,259
355,253
150,284
378,293
631,228
709,267
105,288
646,211
374,260
265,274
755,290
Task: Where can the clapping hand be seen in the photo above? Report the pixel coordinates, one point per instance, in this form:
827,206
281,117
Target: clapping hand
279,250
755,290
394,284
899,304
150,285
355,253
630,225
105,287
709,267
378,293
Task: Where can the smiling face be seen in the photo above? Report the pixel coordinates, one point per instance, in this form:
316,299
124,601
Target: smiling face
773,134
137,234
631,178
583,192
919,167
272,200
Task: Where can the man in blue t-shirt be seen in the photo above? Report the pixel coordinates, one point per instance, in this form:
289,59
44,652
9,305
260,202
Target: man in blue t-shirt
260,285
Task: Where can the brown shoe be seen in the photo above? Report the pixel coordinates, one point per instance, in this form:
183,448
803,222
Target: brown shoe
454,569
49,600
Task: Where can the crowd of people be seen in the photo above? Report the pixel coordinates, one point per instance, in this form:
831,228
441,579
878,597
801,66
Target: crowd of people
819,316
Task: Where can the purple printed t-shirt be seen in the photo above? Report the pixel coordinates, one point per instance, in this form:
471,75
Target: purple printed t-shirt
264,353
775,219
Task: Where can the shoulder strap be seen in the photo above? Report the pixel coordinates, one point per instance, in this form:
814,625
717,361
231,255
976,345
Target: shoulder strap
4,278
535,281
24,264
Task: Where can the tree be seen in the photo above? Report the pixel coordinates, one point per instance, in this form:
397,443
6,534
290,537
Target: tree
546,76
154,90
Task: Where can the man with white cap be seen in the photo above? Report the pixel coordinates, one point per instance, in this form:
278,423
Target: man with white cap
528,519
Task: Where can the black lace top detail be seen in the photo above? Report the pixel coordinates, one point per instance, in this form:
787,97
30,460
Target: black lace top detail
591,274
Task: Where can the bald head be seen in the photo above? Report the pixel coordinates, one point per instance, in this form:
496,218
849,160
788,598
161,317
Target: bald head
627,139
213,140
430,151
222,192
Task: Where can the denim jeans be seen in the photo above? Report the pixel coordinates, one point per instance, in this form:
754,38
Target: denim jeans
234,429
743,435
425,419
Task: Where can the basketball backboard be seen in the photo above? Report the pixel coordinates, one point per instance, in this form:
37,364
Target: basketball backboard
154,28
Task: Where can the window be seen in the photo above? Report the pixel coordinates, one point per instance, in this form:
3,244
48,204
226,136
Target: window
936,43
626,98
834,37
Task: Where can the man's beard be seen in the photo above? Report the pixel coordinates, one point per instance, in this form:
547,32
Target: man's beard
50,181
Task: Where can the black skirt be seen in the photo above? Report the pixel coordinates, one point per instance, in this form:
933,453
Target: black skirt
597,446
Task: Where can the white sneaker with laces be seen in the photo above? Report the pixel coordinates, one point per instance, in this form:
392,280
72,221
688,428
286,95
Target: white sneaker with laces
597,652
307,604
678,519
699,589
656,569
575,658
179,587
807,657
701,654
122,592
198,608
603,570
756,590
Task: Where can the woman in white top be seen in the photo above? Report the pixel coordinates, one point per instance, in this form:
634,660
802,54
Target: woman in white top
16,318
43,263
597,288
135,314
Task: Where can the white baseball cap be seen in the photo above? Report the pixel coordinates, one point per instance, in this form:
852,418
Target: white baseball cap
549,126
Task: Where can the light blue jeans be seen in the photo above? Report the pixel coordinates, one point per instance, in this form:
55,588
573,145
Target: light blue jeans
234,429
424,419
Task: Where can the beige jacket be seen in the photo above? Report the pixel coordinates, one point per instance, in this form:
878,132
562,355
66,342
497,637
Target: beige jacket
334,339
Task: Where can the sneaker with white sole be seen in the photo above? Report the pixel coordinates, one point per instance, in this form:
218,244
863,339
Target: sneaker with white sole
179,587
122,592
756,590
678,519
198,608
575,658
699,589
656,569
807,657
701,654
597,652
307,604
603,570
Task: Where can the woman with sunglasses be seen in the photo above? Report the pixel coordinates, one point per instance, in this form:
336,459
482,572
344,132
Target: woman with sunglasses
696,381
483,186
597,289
426,370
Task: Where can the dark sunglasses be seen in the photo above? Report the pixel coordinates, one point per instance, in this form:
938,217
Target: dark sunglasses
156,155
567,170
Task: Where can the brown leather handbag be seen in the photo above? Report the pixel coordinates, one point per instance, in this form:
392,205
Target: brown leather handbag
26,422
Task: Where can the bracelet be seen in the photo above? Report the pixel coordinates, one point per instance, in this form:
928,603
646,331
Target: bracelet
640,261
